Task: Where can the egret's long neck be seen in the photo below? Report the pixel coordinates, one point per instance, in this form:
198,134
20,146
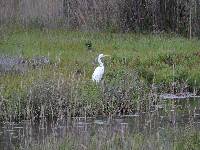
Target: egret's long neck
100,62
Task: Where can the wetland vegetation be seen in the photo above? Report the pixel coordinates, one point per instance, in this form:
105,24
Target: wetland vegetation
50,88
148,98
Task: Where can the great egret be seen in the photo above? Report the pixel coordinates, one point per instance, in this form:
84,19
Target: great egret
99,71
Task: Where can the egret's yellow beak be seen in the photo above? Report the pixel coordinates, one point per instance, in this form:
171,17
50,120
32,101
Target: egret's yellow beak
107,56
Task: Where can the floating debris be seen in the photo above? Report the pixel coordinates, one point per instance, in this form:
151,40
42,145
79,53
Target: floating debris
100,122
178,96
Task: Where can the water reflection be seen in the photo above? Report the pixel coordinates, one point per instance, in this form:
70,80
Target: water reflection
174,115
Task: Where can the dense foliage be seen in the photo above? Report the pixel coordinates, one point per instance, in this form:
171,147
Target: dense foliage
179,16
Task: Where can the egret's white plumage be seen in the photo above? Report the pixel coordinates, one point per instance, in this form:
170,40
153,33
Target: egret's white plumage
99,71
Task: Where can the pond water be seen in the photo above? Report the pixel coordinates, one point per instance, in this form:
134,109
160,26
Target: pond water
169,116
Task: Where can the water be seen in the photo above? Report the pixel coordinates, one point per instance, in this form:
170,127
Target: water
18,64
159,120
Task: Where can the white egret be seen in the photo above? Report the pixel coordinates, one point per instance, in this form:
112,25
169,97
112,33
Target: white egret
99,71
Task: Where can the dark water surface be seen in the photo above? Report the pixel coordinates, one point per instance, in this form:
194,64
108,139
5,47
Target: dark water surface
168,115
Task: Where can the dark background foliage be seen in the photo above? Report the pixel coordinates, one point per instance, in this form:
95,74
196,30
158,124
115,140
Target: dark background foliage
178,16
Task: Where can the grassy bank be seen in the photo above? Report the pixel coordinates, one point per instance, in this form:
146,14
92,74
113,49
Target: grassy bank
64,86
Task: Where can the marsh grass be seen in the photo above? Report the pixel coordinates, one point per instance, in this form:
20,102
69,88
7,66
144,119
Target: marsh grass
138,63
142,66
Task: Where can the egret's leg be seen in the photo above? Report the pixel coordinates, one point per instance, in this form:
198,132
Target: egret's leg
103,85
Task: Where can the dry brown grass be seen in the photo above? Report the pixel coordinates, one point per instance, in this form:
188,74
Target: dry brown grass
105,15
